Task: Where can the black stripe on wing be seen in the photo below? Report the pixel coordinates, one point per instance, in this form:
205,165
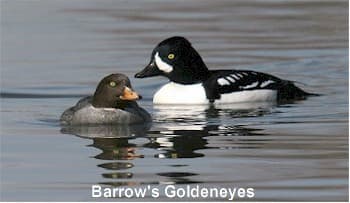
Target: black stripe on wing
227,81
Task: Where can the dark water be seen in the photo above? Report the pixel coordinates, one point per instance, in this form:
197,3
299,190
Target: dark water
54,52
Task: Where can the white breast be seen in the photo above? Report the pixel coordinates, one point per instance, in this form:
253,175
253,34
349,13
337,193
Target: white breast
174,93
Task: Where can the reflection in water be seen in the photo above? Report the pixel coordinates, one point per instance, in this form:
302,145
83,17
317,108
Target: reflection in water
113,141
107,131
179,178
115,149
306,159
116,165
180,133
181,143
254,110
202,114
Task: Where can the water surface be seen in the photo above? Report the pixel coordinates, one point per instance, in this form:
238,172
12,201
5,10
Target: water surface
54,52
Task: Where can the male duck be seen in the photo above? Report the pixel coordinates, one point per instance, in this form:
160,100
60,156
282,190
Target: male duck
192,83
114,102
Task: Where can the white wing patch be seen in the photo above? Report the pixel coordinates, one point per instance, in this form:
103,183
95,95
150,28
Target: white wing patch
251,85
162,65
230,79
223,82
266,83
235,76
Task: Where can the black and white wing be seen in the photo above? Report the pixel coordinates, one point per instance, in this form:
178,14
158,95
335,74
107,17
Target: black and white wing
228,81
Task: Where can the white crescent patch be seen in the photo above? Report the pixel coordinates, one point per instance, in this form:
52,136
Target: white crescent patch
162,65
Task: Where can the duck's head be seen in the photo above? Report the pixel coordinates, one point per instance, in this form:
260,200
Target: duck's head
176,59
114,91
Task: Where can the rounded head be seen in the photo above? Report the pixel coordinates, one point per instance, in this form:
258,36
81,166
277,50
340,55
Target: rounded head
176,59
114,91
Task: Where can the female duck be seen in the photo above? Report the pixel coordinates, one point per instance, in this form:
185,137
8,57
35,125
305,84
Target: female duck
114,102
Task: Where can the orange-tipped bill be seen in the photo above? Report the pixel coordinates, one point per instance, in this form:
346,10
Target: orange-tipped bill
129,95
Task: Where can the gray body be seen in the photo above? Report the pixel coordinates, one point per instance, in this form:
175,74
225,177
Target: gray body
107,131
83,113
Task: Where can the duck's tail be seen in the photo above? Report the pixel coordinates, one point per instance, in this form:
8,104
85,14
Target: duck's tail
289,91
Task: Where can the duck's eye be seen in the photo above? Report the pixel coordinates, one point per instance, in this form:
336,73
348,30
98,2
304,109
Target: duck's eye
171,56
112,84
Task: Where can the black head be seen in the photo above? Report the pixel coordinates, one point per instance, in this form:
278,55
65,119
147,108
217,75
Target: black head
177,60
114,91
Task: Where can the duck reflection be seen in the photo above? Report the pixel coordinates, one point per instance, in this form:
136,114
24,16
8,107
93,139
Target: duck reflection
115,146
186,132
179,178
203,114
115,149
177,133
184,128
181,143
107,131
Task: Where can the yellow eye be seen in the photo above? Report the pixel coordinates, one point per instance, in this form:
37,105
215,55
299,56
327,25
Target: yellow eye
112,84
171,56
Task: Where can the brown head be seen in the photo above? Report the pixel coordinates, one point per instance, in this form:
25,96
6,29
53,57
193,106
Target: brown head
114,91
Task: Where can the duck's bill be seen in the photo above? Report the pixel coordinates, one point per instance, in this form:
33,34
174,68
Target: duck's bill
149,71
129,95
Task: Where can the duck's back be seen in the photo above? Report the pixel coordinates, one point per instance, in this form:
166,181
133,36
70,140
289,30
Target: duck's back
67,115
